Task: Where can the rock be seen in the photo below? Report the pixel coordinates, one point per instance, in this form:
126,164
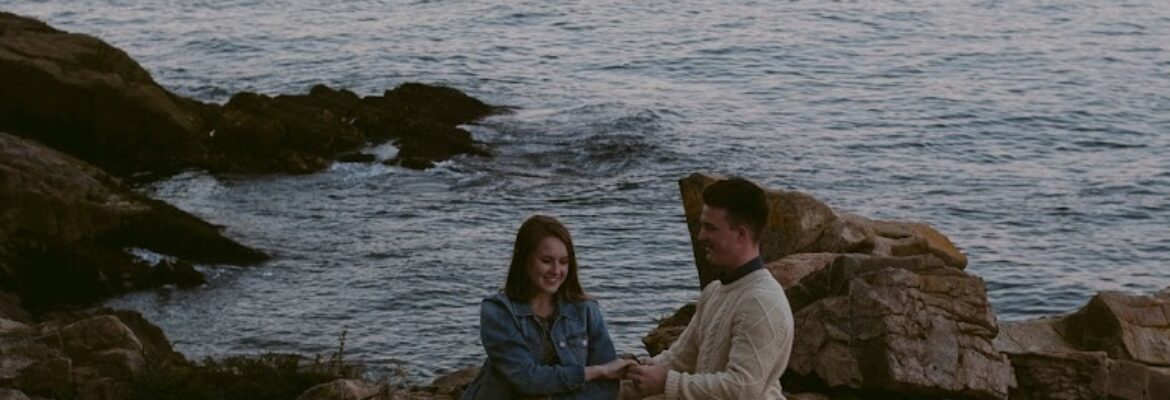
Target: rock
436,103
1034,336
84,97
13,328
341,389
104,389
357,158
848,233
425,142
796,221
10,306
12,394
453,384
64,225
156,348
35,368
916,329
83,340
940,246
790,270
1085,375
179,273
80,95
261,134
668,330
1127,327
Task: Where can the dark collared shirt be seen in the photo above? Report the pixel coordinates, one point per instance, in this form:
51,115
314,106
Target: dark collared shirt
727,277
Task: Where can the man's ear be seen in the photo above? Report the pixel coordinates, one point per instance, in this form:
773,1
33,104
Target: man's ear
742,232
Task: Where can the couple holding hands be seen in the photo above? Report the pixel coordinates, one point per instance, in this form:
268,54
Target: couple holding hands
546,339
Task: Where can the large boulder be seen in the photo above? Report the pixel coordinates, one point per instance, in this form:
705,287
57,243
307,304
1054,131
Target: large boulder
799,223
64,225
887,326
78,94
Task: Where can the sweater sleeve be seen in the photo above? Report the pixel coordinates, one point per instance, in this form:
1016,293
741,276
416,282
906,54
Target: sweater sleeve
683,354
758,333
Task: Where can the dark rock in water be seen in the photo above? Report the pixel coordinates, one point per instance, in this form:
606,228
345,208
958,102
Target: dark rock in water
178,273
82,96
357,158
258,133
64,226
433,141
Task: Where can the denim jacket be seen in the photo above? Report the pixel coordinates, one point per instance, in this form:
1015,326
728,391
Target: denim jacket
513,340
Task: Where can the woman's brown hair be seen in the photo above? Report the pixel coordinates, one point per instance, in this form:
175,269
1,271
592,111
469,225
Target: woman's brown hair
519,287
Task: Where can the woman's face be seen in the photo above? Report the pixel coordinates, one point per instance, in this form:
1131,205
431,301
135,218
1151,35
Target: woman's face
548,266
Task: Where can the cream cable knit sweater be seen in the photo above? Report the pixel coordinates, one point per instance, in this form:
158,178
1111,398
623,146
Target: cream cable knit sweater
736,346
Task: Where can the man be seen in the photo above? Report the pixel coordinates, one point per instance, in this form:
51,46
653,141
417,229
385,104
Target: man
738,342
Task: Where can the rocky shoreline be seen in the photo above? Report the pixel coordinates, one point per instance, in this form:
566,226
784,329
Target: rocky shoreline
883,309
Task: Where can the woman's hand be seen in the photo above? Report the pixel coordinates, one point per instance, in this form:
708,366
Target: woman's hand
615,369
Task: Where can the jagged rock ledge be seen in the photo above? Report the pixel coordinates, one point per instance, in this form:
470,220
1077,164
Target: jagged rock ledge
78,94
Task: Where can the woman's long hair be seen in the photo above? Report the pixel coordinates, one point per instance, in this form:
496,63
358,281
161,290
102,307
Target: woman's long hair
519,287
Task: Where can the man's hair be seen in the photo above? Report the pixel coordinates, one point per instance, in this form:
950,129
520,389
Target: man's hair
745,203
518,285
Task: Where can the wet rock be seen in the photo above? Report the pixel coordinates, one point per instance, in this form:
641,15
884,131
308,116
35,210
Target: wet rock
357,158
261,134
179,273
64,225
341,389
82,96
916,329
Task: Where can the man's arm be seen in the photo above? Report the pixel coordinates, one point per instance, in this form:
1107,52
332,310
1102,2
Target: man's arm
758,340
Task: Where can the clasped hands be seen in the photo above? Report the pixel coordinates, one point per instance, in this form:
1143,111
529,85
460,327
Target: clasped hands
646,376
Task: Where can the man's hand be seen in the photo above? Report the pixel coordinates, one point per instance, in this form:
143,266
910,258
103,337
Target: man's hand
615,369
649,379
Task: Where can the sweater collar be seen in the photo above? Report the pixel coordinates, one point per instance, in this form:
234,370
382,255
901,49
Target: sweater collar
727,277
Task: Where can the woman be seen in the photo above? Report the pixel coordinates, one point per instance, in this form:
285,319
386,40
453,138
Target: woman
544,337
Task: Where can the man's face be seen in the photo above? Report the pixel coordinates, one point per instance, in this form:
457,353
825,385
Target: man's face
720,238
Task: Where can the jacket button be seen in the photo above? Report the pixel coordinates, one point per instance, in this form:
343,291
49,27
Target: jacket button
562,343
